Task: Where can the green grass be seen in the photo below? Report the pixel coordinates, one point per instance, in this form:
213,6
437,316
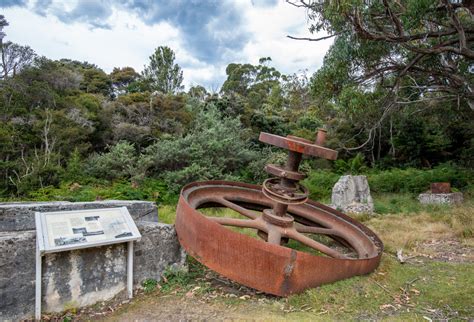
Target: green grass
167,213
412,290
394,291
395,203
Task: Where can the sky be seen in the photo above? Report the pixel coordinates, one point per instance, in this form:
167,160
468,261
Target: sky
205,35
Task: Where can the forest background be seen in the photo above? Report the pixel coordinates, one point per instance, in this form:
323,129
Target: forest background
395,94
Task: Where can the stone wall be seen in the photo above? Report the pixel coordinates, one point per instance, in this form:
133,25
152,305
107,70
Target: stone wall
441,198
81,277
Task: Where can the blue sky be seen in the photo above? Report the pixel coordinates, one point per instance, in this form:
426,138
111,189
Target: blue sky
206,35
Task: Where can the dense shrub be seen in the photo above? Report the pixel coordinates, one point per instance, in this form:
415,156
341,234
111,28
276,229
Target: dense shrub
419,180
148,189
410,180
320,183
120,162
216,147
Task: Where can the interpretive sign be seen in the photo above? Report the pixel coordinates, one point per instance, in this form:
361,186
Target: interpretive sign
68,230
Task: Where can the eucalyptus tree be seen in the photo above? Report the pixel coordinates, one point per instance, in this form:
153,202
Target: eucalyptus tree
420,49
394,64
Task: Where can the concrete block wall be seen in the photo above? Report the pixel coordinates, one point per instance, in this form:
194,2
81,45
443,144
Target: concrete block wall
81,277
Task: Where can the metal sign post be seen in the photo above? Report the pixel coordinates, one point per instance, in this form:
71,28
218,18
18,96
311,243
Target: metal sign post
69,230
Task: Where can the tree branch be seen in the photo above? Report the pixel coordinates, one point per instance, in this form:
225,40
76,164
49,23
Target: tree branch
314,39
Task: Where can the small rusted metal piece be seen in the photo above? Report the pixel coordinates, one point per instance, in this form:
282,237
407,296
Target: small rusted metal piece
440,187
279,211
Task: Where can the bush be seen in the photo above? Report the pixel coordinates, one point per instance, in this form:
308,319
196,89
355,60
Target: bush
75,168
320,184
120,162
148,189
418,180
354,166
215,148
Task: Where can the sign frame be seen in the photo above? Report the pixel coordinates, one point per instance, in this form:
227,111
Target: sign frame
42,230
43,246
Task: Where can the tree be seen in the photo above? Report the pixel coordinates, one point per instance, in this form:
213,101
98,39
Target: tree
162,73
3,23
243,79
198,92
420,49
13,57
96,81
393,65
122,78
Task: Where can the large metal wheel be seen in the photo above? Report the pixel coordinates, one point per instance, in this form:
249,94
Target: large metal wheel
267,263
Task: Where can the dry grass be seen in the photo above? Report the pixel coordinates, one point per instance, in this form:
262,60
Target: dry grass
461,221
410,231
405,232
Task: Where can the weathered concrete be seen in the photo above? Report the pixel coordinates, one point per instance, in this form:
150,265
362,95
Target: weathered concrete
441,198
352,194
17,216
81,277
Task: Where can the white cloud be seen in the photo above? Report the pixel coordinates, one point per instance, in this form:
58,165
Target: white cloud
270,27
130,41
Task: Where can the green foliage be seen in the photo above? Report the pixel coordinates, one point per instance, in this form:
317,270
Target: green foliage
36,175
122,78
96,81
119,162
353,166
408,181
215,148
149,189
75,170
245,79
162,74
180,279
416,181
320,184
149,285
14,58
66,123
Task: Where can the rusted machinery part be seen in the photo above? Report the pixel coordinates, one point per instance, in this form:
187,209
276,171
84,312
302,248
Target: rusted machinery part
267,266
273,190
298,145
281,172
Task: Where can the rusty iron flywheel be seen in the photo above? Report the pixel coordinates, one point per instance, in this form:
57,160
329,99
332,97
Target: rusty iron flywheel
298,243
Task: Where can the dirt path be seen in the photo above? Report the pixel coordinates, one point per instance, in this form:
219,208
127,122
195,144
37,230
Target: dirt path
178,308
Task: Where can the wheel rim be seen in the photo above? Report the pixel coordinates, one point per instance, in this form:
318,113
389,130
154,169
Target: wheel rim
194,229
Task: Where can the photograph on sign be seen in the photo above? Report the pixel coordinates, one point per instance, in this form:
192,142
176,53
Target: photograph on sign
86,227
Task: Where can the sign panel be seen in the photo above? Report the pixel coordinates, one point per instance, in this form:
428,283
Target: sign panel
66,230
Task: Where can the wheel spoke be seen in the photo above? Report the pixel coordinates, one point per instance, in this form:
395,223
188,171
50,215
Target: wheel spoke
244,223
241,210
315,230
293,234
